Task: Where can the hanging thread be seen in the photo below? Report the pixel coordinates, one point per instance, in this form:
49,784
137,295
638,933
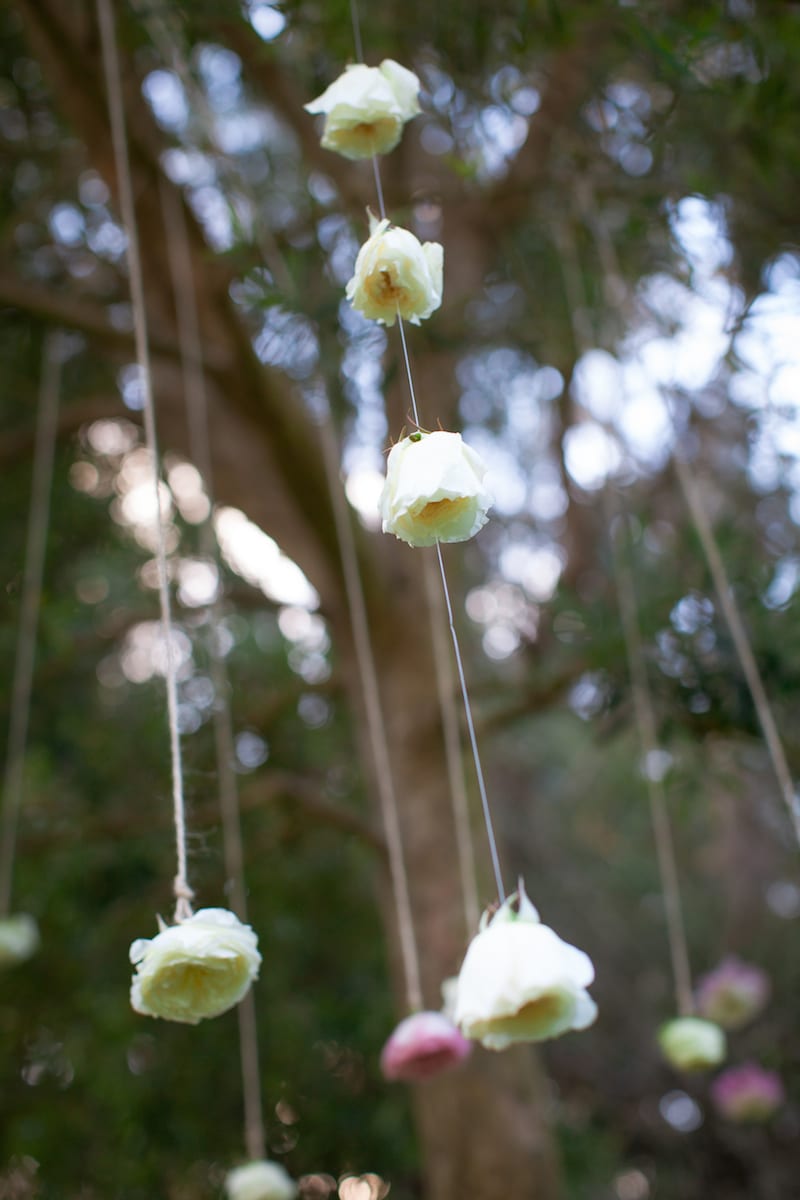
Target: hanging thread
111,69
452,749
644,714
453,632
741,642
196,399
376,725
714,561
648,738
30,604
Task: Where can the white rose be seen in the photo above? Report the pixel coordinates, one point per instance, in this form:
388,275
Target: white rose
434,490
260,1181
520,982
199,968
19,939
366,108
692,1044
395,274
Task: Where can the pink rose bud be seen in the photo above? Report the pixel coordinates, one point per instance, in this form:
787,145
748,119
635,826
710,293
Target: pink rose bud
747,1093
733,993
421,1046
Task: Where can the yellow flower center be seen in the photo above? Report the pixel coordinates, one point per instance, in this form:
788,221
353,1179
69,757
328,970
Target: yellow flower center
435,510
540,1012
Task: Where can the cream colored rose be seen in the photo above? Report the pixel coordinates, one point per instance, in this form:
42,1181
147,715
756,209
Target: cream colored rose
260,1180
692,1044
434,490
366,108
520,982
395,274
19,939
199,968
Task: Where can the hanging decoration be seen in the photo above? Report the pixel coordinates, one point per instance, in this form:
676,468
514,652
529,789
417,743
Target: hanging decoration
206,969
733,994
260,1180
434,490
396,277
520,982
423,1045
692,1044
366,109
19,933
747,1094
198,968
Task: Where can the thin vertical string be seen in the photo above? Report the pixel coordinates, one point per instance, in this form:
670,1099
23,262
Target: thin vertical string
30,603
744,650
473,741
716,567
452,749
640,688
376,725
196,398
454,634
356,30
111,69
648,738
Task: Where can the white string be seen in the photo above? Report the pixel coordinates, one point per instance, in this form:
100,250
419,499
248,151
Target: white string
461,676
719,574
30,604
644,714
487,816
452,749
111,69
648,737
741,642
376,725
196,399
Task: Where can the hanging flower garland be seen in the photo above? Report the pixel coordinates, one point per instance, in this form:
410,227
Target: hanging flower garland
519,980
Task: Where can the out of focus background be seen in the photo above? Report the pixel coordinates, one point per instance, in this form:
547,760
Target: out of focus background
615,188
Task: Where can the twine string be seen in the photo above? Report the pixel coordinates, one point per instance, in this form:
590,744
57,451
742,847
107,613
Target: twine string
741,642
644,713
30,604
196,399
648,739
714,561
111,69
376,725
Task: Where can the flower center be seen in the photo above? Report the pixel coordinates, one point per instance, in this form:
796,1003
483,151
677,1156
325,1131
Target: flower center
536,1014
435,510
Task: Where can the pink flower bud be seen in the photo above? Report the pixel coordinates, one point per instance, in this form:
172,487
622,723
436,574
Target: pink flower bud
421,1046
733,993
747,1093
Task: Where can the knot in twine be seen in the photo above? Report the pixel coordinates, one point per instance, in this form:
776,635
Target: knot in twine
183,899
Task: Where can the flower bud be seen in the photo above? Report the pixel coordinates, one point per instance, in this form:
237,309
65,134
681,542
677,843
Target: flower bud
691,1044
260,1180
199,968
366,108
520,982
421,1046
747,1093
19,939
395,274
434,490
733,993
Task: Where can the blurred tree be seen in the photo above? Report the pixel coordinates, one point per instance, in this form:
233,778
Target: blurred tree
614,186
